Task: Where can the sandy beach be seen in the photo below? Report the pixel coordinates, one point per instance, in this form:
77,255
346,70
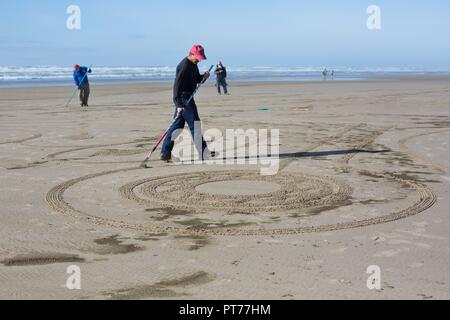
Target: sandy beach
364,180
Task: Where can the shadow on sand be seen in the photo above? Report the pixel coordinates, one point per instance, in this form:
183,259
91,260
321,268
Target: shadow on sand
295,155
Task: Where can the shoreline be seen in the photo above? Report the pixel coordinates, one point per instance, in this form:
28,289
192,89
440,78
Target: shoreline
231,82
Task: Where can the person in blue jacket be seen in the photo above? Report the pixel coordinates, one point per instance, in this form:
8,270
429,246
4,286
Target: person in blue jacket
82,82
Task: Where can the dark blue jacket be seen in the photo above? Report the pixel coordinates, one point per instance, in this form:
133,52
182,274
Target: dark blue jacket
79,75
188,76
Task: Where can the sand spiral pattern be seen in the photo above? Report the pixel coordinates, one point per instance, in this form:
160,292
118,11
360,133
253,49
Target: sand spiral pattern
179,191
55,199
296,191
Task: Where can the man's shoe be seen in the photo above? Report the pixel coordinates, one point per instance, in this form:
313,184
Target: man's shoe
209,155
166,158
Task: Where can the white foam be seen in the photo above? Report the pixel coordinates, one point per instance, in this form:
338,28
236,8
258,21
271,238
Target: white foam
60,73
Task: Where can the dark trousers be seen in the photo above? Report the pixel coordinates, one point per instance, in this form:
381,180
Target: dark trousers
189,116
222,83
84,93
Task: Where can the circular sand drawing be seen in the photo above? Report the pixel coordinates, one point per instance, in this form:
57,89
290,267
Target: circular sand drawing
284,192
190,191
214,194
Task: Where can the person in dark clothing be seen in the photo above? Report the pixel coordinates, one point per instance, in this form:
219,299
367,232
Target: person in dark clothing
325,74
221,74
187,78
82,82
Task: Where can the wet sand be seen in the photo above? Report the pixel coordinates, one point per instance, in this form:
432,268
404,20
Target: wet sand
364,180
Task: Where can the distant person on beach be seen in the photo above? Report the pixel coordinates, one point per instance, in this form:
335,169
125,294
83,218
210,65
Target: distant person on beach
332,74
325,74
187,78
82,82
221,74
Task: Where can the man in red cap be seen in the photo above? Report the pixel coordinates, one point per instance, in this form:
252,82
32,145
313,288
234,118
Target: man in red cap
187,78
82,82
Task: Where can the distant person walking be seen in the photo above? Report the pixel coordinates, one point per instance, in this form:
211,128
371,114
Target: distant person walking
82,82
332,74
221,74
325,74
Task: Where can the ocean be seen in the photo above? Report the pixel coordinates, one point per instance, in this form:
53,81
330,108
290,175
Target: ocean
27,76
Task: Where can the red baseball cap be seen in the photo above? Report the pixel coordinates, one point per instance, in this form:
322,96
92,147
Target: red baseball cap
75,66
198,52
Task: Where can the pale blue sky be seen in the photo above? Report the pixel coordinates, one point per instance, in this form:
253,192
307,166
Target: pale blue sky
415,33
